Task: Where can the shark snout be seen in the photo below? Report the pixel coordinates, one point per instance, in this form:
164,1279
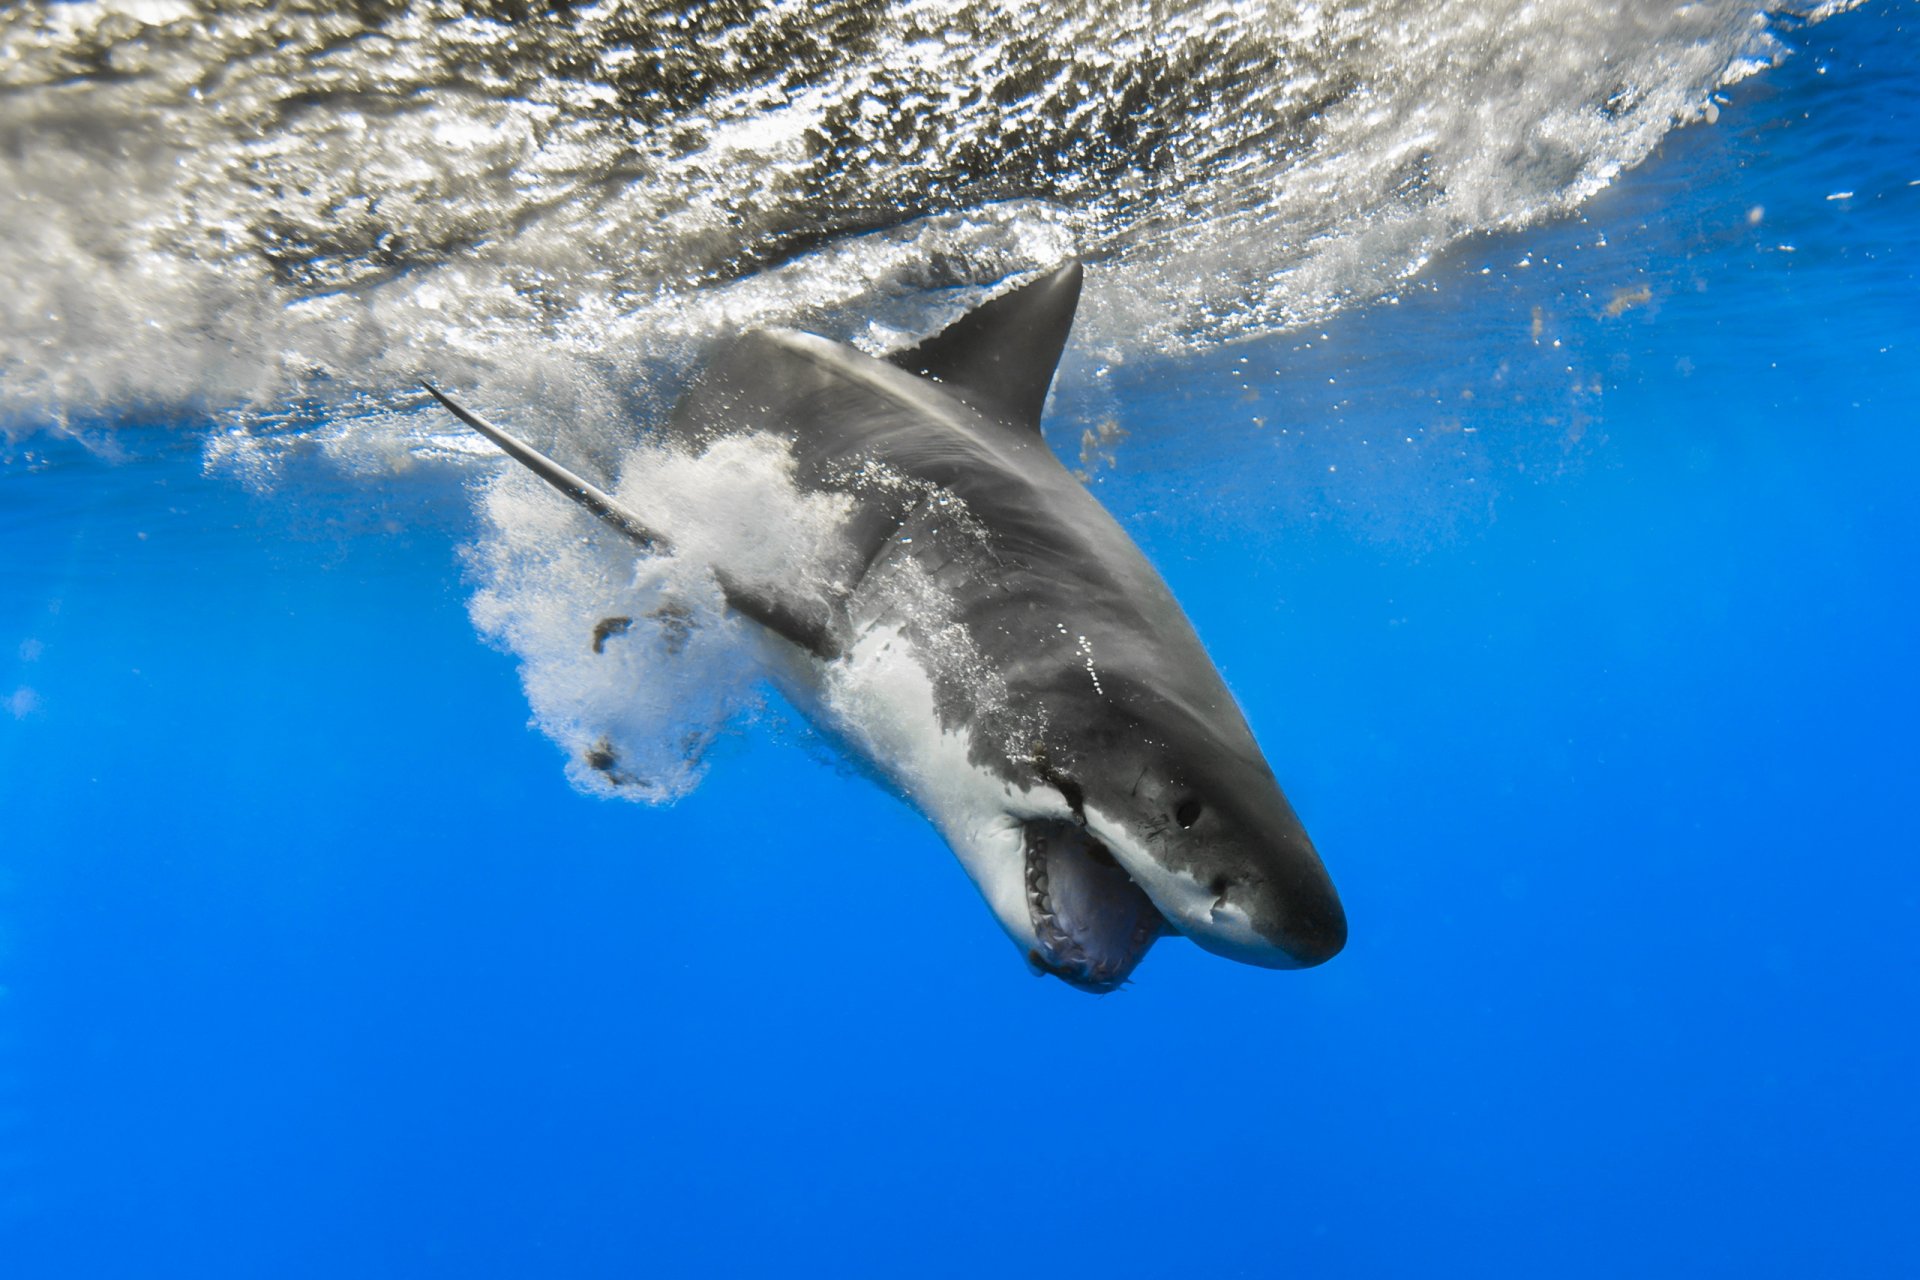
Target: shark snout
1251,922
1291,906
1313,931
1286,917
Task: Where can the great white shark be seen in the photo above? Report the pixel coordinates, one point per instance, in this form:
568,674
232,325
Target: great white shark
1071,741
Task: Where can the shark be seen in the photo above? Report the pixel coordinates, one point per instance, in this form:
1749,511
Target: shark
990,643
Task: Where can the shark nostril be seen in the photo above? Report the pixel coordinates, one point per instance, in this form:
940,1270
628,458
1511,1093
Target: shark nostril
1221,887
1187,812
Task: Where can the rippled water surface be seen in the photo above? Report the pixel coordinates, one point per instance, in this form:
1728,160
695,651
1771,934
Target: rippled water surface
244,202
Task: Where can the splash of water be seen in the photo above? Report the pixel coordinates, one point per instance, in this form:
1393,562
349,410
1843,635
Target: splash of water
292,209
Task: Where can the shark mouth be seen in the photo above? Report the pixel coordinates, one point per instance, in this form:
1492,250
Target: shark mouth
1093,924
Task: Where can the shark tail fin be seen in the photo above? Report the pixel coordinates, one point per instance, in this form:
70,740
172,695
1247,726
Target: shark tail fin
803,623
1000,357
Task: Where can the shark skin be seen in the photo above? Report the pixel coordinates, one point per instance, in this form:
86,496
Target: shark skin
992,644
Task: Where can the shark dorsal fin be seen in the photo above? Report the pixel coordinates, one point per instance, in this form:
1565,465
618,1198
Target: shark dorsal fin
1000,356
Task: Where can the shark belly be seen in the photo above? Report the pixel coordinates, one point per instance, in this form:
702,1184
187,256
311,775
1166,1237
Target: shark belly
890,701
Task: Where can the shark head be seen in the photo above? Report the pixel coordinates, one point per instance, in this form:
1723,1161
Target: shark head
1170,823
1216,848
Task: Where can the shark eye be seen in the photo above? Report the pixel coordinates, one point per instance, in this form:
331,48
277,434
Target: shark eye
1187,812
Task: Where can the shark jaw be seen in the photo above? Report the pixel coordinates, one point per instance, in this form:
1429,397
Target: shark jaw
1091,924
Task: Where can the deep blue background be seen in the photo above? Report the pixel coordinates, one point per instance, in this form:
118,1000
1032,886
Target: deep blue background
1590,666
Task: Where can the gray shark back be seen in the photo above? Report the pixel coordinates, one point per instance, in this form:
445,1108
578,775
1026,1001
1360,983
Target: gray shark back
1054,592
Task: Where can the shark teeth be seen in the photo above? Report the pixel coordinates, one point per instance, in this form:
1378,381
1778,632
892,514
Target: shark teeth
1063,954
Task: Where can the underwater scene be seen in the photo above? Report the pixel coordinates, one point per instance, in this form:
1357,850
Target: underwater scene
917,637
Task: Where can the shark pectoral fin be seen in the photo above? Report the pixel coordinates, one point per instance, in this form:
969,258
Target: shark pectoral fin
594,499
1000,357
806,623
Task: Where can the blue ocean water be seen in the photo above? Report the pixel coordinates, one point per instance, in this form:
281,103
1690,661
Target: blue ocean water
1568,589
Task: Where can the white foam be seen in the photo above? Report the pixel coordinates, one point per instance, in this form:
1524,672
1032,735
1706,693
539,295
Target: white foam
292,207
637,717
